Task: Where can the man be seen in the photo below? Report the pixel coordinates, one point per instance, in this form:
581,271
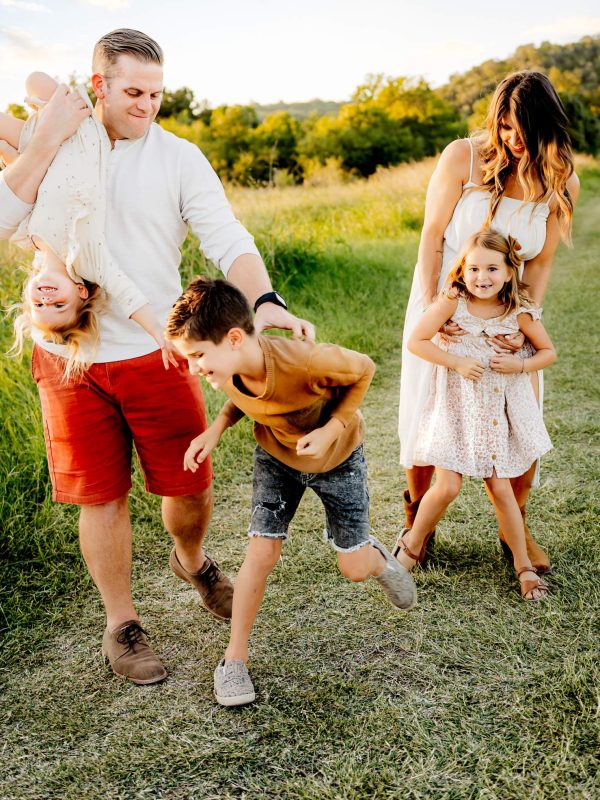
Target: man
158,184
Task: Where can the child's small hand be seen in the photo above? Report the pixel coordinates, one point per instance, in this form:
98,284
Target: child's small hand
470,368
317,442
506,364
199,449
168,353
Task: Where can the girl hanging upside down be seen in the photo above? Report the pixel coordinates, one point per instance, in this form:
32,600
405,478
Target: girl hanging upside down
72,270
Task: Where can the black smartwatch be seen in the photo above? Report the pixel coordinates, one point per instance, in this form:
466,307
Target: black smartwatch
270,297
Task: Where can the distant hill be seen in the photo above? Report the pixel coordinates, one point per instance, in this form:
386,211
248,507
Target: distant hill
573,68
299,111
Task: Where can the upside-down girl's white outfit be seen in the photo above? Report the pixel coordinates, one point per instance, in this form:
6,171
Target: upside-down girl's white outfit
70,211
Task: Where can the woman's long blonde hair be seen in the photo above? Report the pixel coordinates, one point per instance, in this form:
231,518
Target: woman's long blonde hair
513,294
80,336
538,112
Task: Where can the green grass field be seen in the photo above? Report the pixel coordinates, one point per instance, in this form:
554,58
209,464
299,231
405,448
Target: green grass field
473,695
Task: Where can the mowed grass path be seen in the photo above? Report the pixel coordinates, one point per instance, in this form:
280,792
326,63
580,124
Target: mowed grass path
474,694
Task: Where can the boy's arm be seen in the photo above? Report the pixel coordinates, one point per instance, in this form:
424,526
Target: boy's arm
332,366
205,443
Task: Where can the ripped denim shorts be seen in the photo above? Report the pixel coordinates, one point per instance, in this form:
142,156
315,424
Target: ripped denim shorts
277,490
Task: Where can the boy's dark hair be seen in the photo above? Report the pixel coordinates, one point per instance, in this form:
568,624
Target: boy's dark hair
208,310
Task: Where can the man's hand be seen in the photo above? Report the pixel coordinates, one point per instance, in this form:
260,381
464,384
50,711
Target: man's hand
200,448
317,442
270,315
506,363
508,343
61,116
469,368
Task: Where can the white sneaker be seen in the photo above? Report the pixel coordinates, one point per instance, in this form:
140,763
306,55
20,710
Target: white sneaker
233,686
395,580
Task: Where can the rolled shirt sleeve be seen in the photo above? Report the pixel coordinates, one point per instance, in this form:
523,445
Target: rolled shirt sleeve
207,211
12,210
331,365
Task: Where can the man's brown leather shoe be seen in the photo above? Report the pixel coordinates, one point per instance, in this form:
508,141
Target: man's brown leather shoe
129,654
213,586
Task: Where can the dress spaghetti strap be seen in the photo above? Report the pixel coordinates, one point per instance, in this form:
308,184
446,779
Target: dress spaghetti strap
471,164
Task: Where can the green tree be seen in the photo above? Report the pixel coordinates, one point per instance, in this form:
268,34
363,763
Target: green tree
275,146
179,103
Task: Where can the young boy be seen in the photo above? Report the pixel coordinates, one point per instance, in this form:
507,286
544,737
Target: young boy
304,399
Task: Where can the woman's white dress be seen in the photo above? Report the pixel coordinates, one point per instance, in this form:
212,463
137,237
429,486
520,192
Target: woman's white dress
527,223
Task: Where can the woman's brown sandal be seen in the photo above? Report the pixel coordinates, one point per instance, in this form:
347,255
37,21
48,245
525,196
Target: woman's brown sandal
530,585
401,546
410,511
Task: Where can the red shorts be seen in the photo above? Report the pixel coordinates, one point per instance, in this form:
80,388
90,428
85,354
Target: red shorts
91,424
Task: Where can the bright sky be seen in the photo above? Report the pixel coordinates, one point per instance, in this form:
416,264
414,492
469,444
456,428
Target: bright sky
237,51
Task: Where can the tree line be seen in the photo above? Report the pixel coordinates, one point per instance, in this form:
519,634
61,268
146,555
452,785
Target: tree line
387,120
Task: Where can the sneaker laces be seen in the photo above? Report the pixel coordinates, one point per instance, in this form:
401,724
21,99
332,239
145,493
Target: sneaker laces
131,635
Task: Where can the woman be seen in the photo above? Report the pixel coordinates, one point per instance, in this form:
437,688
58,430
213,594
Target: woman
517,174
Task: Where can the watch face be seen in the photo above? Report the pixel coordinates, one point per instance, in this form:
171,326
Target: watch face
280,298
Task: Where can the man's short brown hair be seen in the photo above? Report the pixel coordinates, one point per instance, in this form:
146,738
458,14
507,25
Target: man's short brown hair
208,310
125,41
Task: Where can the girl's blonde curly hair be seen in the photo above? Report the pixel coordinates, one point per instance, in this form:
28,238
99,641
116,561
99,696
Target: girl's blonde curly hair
80,334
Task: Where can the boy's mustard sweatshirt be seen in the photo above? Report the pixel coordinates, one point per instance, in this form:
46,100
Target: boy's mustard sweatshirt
307,384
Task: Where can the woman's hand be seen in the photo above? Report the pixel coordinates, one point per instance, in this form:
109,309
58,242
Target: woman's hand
451,331
506,364
469,368
507,343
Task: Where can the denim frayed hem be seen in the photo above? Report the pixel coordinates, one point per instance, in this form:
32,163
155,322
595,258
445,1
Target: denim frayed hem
283,536
339,549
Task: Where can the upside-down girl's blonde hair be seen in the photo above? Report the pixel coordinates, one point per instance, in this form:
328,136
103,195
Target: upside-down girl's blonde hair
513,294
540,117
80,336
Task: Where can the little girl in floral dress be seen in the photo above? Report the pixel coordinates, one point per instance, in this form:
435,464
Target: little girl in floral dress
481,417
